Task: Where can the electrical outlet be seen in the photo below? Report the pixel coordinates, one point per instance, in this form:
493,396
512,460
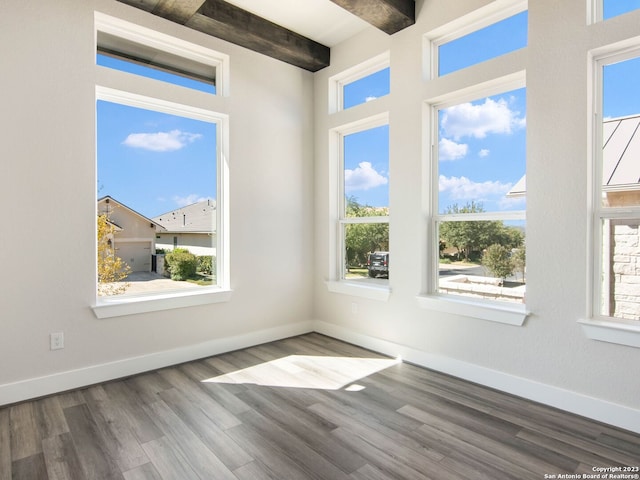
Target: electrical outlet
354,308
57,340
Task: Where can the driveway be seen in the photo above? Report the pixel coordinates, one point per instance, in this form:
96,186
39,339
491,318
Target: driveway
147,282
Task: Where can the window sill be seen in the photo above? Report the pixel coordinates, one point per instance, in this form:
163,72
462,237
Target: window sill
622,332
510,314
120,306
359,290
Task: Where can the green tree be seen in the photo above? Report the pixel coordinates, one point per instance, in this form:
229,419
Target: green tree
111,268
497,258
518,258
364,238
469,237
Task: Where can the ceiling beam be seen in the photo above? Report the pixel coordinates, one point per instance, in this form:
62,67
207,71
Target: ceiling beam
390,16
233,24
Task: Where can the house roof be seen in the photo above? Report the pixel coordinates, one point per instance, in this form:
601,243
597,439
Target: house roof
621,153
107,199
199,217
620,157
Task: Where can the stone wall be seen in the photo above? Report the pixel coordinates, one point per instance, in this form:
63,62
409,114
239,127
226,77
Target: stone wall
625,279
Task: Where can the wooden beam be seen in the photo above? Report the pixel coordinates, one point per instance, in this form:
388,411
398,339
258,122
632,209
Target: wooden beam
390,16
179,11
233,24
228,22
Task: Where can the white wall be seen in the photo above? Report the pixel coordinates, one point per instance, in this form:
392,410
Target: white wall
47,125
549,358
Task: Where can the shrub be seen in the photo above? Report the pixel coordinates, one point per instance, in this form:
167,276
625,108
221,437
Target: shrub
181,264
497,259
206,264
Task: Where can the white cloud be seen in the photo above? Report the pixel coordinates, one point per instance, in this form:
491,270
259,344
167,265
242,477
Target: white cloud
188,200
363,177
370,98
468,120
450,150
484,152
161,141
461,188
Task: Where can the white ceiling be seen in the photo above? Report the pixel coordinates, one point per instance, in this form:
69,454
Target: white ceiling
320,20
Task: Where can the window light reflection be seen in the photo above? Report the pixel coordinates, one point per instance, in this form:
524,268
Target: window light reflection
308,371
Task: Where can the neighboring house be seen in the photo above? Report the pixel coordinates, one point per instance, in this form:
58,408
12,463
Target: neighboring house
135,235
192,227
621,188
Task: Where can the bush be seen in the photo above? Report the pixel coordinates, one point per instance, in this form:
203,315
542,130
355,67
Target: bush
181,264
497,259
206,264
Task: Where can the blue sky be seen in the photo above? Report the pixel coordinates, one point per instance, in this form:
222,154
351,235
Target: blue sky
154,162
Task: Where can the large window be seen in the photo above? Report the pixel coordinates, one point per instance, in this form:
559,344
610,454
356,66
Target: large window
480,41
617,198
479,191
364,207
161,196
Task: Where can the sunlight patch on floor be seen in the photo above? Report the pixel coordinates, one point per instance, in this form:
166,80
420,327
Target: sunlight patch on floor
308,371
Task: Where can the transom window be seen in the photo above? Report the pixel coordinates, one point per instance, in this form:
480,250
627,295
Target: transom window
476,43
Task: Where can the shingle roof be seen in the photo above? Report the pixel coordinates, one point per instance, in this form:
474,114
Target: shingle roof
197,217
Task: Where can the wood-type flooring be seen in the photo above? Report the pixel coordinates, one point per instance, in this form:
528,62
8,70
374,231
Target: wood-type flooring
308,407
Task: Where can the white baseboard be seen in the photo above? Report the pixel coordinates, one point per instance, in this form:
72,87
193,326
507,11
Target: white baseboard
82,377
594,408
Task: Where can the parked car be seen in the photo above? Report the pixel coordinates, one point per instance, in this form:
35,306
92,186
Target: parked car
378,264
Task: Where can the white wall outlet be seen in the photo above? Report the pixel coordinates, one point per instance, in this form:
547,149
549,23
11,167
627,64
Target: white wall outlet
57,340
354,308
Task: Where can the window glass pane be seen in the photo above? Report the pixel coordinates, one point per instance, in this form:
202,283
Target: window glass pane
483,259
367,252
620,274
156,191
621,134
127,56
366,172
492,41
613,8
366,89
482,155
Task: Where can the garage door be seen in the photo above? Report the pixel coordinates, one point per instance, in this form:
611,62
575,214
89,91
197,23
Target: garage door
135,254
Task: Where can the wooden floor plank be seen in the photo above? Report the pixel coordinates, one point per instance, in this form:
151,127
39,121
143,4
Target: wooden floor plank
114,429
127,401
200,458
30,468
94,455
315,465
61,458
208,432
194,392
168,461
25,434
281,410
5,445
143,472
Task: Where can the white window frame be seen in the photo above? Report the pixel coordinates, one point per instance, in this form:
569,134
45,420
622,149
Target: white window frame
461,26
597,326
129,89
337,282
494,311
355,73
